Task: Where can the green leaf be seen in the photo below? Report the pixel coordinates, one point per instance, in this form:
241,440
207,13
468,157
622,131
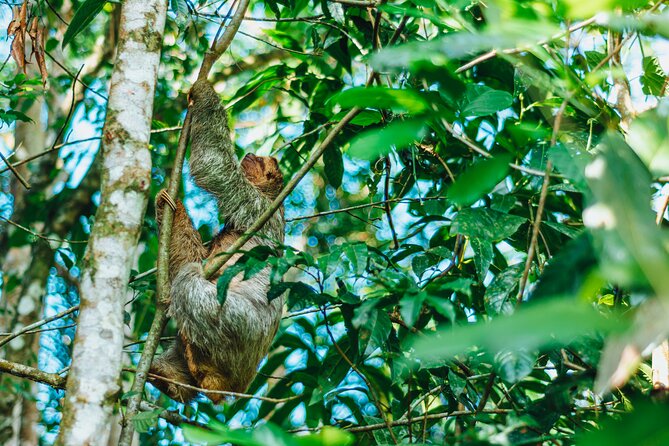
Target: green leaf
328,436
144,421
334,166
357,254
421,262
514,365
626,236
646,425
382,98
442,306
482,256
378,142
499,297
654,79
82,18
482,101
223,282
367,117
548,323
648,135
479,179
486,224
410,306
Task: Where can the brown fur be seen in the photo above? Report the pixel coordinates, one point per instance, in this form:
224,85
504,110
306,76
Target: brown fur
186,362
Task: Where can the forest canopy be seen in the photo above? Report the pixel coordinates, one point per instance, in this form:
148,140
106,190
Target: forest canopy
475,199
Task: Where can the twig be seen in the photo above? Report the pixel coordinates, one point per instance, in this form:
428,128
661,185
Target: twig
363,206
38,235
46,152
65,69
540,208
386,196
33,374
171,416
34,325
70,110
403,422
16,173
358,3
247,396
493,53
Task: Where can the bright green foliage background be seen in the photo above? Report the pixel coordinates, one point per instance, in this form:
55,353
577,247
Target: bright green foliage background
412,332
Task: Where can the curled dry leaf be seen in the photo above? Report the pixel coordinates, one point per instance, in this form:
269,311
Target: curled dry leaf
38,50
17,28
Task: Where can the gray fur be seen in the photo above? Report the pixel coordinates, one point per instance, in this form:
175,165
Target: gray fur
215,167
235,336
230,339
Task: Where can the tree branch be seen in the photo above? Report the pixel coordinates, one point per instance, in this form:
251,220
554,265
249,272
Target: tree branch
33,374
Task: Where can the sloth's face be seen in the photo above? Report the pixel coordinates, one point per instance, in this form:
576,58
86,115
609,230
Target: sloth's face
263,172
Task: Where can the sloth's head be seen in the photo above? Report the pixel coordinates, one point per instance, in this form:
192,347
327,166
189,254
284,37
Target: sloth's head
263,172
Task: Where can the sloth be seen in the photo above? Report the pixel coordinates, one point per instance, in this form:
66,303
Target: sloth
219,347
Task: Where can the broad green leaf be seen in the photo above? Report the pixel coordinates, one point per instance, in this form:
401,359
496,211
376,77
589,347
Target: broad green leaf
421,262
367,117
443,306
382,98
654,79
223,282
500,295
333,166
480,100
570,161
482,256
144,421
486,223
478,180
410,306
378,142
626,236
82,18
543,324
357,254
328,436
648,135
568,271
646,425
514,365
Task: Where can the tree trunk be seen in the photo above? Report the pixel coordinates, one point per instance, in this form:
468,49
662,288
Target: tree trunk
93,381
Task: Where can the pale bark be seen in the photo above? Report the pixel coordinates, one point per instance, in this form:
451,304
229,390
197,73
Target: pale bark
93,381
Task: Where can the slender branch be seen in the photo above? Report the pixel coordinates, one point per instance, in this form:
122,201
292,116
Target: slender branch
405,422
38,235
65,69
33,374
46,152
493,53
386,196
171,416
224,392
542,203
15,172
363,206
34,325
